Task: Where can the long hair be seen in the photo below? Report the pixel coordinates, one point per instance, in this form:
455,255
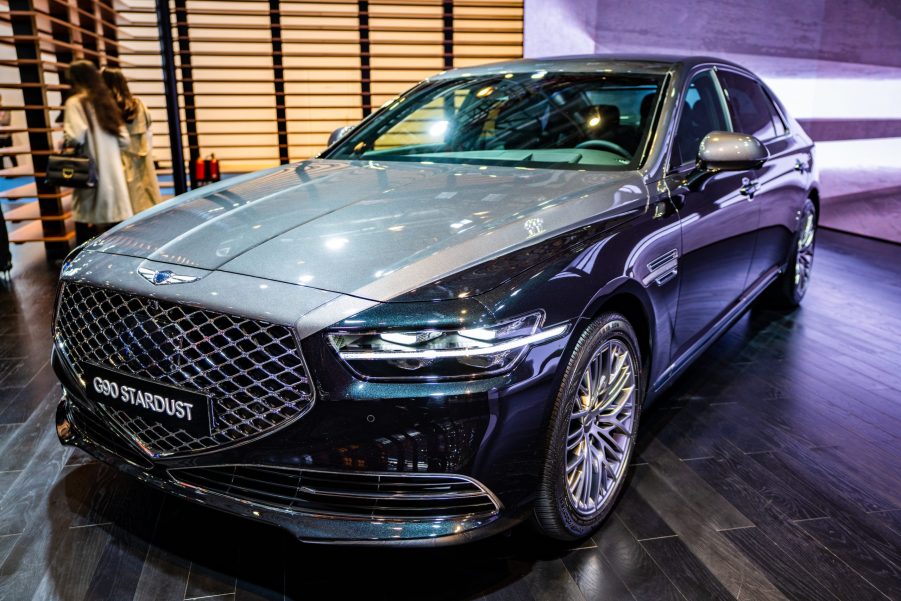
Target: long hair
118,85
85,78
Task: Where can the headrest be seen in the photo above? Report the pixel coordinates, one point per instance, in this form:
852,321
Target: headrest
647,103
609,115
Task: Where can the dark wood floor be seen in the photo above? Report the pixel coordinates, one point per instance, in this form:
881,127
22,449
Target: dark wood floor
772,471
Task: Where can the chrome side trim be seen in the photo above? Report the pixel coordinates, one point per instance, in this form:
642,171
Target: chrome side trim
662,269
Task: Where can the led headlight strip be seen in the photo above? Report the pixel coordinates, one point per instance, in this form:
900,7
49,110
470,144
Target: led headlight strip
450,353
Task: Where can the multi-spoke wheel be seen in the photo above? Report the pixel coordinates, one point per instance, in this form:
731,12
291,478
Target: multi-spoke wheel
791,286
804,251
592,430
600,427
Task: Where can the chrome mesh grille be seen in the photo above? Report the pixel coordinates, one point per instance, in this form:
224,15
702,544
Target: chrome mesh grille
252,371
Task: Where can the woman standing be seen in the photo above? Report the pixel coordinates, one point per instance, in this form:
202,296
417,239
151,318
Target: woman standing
92,120
140,173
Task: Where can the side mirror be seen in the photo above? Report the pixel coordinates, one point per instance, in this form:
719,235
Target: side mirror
731,151
339,133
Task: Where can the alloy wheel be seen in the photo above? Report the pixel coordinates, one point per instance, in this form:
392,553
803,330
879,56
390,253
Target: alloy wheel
804,255
601,425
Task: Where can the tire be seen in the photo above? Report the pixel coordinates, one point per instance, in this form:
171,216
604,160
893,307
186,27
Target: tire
789,289
563,510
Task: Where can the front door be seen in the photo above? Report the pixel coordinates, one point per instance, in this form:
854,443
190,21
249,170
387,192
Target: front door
719,219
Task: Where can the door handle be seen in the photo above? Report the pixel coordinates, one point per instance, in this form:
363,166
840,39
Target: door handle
749,187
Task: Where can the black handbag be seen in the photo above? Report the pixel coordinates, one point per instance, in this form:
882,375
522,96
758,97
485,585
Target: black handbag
72,167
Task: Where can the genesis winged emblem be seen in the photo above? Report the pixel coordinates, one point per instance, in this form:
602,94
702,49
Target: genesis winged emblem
162,278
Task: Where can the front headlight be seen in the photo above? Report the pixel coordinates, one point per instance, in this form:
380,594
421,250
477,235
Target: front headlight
438,354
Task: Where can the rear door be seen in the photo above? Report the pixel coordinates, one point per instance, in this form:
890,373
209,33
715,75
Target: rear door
779,187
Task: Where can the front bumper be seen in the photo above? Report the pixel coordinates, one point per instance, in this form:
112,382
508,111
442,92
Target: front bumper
74,428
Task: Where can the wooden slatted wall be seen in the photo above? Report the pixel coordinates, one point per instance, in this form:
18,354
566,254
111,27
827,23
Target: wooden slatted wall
265,81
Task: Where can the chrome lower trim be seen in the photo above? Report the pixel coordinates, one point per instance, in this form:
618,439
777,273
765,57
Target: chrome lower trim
349,479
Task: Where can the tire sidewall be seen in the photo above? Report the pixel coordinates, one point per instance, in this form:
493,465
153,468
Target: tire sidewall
568,523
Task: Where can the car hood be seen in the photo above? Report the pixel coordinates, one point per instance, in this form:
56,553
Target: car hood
370,229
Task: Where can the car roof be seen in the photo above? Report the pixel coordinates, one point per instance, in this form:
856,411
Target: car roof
649,64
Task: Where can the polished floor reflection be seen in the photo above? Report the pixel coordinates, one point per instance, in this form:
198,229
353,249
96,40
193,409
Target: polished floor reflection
771,471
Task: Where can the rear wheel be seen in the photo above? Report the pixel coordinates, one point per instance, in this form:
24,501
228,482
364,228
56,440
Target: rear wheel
592,430
790,288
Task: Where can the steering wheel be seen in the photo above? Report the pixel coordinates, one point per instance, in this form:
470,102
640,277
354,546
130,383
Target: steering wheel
605,145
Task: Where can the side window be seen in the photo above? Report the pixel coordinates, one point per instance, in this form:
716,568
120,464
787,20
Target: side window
751,109
702,113
778,121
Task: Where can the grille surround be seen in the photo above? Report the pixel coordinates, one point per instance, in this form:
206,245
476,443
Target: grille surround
251,370
361,495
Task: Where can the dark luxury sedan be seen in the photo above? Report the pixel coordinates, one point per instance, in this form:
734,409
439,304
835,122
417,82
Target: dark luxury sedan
448,323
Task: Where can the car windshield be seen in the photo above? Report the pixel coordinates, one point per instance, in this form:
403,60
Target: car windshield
540,119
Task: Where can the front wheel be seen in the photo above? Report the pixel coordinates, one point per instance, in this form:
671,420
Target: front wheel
592,430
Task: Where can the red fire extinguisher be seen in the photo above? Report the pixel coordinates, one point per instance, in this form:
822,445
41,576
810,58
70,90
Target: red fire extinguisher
200,170
213,171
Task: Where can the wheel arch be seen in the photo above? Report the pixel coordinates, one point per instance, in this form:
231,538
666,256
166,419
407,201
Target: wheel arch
630,300
814,195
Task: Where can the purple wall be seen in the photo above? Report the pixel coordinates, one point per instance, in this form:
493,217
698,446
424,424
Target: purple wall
835,63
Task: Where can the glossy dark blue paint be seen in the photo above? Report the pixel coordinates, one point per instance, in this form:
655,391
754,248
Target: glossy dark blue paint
493,429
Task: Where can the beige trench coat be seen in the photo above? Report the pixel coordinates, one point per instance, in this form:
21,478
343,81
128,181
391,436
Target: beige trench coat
108,201
143,188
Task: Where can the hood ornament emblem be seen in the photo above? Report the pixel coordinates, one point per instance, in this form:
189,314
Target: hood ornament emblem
162,278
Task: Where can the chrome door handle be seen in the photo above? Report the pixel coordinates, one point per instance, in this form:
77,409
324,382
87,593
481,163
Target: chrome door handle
749,187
